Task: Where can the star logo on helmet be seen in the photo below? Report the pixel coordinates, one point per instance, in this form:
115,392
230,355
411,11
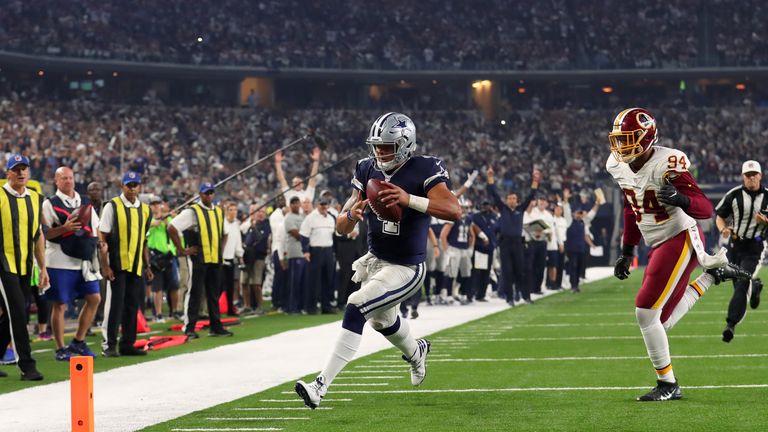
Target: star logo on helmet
400,124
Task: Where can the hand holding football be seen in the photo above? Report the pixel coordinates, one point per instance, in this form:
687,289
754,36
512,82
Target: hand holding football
393,213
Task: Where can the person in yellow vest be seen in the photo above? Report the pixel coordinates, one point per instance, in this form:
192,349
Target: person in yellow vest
205,235
20,236
124,258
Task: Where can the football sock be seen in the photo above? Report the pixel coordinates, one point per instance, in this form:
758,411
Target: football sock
346,345
665,374
399,335
345,349
656,342
693,292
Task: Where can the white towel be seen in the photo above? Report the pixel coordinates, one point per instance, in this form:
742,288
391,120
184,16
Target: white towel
89,273
360,267
706,260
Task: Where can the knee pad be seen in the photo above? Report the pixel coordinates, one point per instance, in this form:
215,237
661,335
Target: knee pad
386,330
353,319
647,317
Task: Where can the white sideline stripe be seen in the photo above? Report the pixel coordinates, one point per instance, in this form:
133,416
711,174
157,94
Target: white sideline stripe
297,401
252,366
430,355
588,358
255,418
552,389
369,377
279,408
405,369
362,372
579,338
361,384
223,429
43,350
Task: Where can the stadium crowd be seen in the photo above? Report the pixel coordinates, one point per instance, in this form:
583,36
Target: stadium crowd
552,34
175,148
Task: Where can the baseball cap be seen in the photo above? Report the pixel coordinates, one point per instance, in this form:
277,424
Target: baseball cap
750,166
16,160
131,177
323,200
206,187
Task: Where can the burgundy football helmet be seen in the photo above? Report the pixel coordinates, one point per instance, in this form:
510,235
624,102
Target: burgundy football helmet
634,132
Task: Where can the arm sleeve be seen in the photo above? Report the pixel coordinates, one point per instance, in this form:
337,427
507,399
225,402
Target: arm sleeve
436,174
631,234
491,189
304,244
700,206
524,206
358,179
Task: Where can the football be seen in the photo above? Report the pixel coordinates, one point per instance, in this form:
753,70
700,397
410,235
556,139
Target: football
83,216
392,214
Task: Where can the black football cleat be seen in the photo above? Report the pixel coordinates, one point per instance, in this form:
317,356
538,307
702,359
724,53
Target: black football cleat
754,299
663,391
729,272
728,333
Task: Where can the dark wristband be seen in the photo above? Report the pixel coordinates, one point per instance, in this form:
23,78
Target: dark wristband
628,250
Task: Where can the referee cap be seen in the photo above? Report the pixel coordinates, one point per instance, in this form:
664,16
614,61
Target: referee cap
15,161
750,166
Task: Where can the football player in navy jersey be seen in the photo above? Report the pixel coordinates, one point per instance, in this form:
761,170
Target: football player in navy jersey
393,269
458,241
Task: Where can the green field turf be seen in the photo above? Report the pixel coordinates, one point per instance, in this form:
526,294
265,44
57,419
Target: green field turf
249,328
569,362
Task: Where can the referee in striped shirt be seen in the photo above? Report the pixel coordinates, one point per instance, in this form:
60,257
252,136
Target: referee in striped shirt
747,207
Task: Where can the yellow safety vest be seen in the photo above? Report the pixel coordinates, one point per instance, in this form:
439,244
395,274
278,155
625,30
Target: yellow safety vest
210,224
129,231
20,220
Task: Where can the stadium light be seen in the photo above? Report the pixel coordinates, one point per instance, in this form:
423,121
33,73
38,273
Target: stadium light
741,86
199,39
481,84
607,89
114,74
521,90
503,122
89,73
40,73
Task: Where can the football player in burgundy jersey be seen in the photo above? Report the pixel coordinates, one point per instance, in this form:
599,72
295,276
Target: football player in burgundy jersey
661,204
393,269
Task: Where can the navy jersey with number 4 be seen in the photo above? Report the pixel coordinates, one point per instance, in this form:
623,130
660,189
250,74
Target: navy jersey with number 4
401,242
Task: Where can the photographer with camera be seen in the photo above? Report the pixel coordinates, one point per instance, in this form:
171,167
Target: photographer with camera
747,208
161,255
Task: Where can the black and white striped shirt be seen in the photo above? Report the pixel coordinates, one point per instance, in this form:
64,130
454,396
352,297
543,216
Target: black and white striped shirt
742,204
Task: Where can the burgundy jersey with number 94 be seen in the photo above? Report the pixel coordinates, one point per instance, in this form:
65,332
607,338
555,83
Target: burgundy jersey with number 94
658,222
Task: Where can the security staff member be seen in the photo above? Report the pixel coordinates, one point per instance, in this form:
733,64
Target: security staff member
124,258
747,206
20,236
205,235
511,245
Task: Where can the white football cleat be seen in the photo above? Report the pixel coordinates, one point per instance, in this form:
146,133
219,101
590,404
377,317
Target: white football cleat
419,361
313,392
